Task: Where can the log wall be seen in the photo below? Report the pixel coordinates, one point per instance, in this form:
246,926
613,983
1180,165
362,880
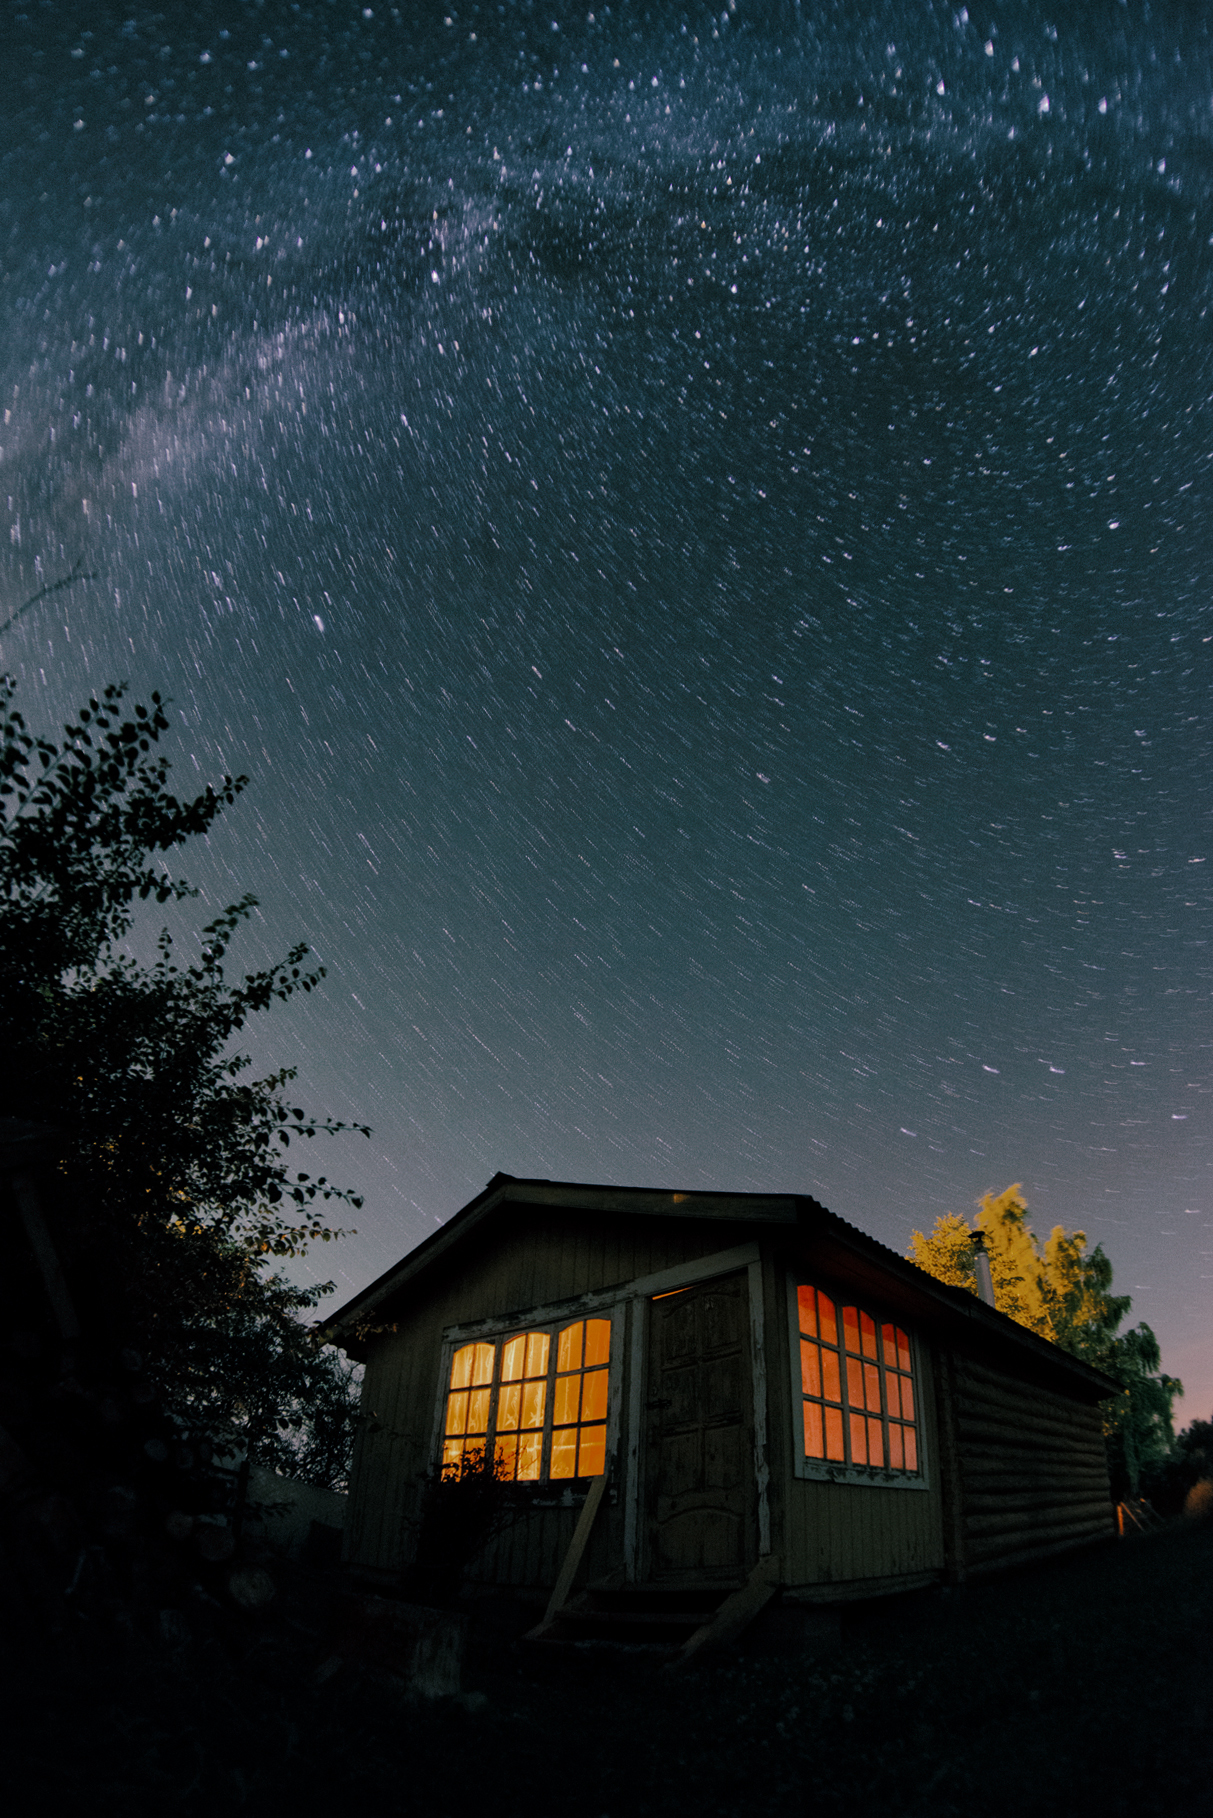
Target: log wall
1030,1473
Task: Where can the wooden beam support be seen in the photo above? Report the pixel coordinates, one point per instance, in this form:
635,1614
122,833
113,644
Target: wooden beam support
736,1613
572,1559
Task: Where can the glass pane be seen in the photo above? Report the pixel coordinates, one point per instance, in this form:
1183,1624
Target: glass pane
896,1448
834,1445
903,1350
825,1316
482,1363
859,1439
911,1450
597,1343
806,1300
452,1452
461,1367
457,1412
564,1453
537,1347
568,1349
889,1335
507,1457
854,1382
508,1401
850,1327
875,1441
513,1356
478,1410
567,1394
867,1334
530,1457
534,1394
594,1396
810,1368
907,1399
592,1460
814,1441
871,1385
831,1386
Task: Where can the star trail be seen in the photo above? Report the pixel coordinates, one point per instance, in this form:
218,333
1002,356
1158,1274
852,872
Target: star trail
697,525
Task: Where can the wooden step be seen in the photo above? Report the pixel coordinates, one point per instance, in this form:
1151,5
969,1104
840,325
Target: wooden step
643,1615
677,1623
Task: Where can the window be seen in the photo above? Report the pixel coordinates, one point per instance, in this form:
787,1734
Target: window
541,1405
857,1382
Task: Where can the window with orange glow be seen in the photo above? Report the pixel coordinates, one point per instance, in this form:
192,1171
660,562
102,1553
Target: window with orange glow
857,1385
539,1399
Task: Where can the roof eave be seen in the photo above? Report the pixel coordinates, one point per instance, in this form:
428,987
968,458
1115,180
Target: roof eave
958,1303
751,1208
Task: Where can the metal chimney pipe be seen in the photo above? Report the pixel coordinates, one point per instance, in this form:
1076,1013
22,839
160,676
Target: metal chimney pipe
981,1263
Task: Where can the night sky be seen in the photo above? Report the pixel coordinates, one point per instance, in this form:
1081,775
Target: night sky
697,525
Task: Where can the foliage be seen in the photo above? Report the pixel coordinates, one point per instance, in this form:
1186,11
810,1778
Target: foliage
1062,1291
1195,1446
174,1185
1182,1482
242,1367
464,1508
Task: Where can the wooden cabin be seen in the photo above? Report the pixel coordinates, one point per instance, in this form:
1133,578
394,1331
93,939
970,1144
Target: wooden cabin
703,1390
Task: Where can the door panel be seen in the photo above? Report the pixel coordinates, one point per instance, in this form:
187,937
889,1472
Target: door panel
699,1459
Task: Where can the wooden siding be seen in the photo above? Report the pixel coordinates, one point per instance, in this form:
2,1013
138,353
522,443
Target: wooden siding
529,1554
1014,1472
840,1534
533,1258
1032,1472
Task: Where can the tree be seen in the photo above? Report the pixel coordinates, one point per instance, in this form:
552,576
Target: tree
172,1184
1062,1291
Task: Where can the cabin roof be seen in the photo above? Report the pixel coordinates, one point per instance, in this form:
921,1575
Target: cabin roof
841,1248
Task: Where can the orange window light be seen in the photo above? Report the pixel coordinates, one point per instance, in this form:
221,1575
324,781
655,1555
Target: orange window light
521,1401
530,1397
856,1385
469,1403
579,1404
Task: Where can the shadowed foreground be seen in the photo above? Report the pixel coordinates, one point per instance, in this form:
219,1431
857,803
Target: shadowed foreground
1085,1685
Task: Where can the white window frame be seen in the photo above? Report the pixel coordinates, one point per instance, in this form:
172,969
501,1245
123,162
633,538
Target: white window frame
553,1320
823,1470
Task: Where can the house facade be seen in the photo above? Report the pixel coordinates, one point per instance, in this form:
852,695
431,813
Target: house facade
736,1382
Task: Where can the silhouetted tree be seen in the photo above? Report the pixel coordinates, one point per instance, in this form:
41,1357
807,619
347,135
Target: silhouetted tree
171,1190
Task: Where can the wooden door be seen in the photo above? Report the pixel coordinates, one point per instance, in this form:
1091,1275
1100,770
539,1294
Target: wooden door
699,1476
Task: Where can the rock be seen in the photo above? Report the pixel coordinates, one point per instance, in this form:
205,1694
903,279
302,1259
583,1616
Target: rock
421,1647
251,1587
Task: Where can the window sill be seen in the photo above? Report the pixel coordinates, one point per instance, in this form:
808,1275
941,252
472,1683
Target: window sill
814,1471
546,1496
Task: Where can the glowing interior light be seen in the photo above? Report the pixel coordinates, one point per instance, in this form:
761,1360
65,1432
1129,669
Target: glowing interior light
856,1386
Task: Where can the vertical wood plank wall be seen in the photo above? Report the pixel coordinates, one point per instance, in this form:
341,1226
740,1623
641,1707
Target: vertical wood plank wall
536,1258
837,1534
1033,1472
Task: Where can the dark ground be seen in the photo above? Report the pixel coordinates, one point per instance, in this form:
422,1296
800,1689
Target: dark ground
1080,1686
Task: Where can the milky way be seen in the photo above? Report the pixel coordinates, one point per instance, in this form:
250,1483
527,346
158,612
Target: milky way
699,534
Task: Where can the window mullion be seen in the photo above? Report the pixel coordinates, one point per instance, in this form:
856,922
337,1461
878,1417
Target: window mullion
549,1405
490,1438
